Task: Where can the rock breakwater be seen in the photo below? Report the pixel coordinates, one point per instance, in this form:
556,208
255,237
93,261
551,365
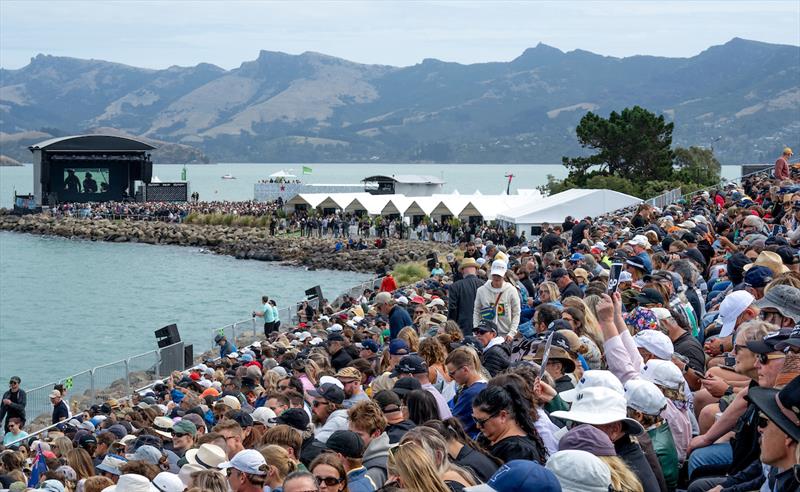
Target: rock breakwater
240,242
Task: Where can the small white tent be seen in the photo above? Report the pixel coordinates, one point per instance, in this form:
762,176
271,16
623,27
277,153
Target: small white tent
575,202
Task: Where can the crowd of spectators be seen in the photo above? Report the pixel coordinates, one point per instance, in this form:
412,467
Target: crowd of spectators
653,352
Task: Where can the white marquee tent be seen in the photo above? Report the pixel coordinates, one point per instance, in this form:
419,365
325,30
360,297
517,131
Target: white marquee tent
575,202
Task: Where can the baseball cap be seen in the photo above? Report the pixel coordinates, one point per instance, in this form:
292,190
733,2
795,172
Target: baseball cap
558,273
410,364
519,475
229,401
185,427
405,386
485,326
146,453
731,307
656,343
247,461
335,337
388,400
499,267
758,276
328,391
639,240
769,342
370,345
297,418
663,373
349,373
644,396
346,442
168,482
242,418
398,347
649,296
381,298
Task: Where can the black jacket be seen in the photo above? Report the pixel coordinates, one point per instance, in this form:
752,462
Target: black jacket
571,289
17,406
398,430
461,302
634,457
497,358
478,463
340,359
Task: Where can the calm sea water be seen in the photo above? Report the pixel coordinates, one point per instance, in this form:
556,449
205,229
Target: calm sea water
206,179
67,305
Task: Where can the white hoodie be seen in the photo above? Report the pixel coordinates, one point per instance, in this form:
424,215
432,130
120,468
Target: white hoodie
506,314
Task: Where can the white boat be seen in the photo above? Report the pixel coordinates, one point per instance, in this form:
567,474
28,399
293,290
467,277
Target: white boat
228,176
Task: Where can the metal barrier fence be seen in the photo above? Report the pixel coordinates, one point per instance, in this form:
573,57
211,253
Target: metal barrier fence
97,385
665,199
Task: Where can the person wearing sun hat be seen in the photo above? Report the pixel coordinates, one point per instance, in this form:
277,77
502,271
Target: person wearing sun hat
606,409
461,295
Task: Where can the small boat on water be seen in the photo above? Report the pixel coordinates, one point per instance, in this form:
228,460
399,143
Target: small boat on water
228,176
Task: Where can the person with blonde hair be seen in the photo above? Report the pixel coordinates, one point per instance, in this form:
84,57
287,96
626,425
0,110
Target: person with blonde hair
211,480
434,353
80,461
549,293
436,447
463,366
588,438
413,469
96,484
411,337
280,465
61,445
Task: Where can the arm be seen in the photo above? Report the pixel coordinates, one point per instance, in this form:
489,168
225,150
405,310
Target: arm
21,403
476,309
617,356
515,312
725,424
452,304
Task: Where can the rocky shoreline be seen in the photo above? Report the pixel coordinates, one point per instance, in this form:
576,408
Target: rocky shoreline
240,242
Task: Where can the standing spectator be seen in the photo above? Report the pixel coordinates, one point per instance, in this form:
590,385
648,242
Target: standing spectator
498,301
461,296
398,317
461,368
782,164
13,404
388,284
60,410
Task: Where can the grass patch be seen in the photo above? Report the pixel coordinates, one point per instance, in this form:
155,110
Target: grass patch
408,273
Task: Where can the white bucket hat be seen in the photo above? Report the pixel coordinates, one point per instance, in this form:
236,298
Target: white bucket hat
207,456
600,406
580,471
163,426
594,378
168,482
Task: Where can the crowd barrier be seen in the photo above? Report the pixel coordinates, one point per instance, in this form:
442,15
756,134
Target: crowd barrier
97,385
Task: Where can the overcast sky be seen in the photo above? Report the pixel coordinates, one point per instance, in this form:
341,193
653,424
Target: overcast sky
158,34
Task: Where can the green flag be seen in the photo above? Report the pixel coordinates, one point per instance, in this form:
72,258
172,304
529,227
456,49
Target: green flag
306,170
68,383
183,174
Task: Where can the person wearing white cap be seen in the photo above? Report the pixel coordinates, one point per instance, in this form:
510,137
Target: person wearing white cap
625,362
168,482
606,409
645,404
498,301
580,471
734,310
247,471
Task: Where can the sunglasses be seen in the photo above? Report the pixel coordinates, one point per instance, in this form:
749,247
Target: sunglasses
763,421
453,372
329,481
479,423
764,358
419,312
736,348
283,387
179,434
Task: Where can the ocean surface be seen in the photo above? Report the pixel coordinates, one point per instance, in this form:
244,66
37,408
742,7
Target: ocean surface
206,179
69,305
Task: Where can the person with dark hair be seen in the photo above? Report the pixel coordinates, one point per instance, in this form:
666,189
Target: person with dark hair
463,451
496,353
503,416
421,406
13,403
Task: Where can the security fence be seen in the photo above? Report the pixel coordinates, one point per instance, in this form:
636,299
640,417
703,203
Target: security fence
97,385
666,198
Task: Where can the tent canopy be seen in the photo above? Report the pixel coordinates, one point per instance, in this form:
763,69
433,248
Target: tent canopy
282,174
574,202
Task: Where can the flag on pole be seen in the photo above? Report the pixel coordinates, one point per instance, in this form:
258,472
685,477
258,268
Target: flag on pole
306,170
183,174
38,468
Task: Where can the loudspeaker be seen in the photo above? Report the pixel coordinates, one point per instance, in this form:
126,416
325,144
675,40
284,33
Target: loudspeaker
167,336
147,171
314,293
188,356
432,260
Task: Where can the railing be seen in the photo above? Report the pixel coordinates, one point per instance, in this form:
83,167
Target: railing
97,385
666,198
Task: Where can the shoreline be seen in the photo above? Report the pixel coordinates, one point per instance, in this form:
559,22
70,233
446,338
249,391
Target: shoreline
239,242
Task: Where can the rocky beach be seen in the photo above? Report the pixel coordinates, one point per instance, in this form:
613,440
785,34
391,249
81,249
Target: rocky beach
240,242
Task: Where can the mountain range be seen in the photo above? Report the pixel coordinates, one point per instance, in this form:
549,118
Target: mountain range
742,98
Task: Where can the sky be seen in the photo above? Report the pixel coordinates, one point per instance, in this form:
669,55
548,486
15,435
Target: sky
158,34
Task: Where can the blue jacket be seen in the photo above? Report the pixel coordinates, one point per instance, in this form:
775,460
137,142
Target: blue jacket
358,481
398,319
226,349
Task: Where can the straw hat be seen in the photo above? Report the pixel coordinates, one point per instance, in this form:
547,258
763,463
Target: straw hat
770,260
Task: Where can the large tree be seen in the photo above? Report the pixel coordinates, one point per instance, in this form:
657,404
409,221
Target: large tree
634,144
697,165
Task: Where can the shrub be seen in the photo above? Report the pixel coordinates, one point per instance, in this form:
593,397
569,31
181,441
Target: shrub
408,273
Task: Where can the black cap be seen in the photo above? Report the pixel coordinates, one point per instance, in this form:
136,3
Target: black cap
410,364
695,255
559,324
767,344
329,391
404,386
485,326
86,440
558,273
296,418
787,254
649,296
474,343
242,418
335,337
388,401
346,442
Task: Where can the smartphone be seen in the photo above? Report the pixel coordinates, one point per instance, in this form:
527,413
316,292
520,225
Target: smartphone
613,277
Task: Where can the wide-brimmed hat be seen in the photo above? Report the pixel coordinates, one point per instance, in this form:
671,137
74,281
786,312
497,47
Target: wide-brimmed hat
163,426
770,260
596,378
207,456
468,262
556,353
784,298
781,407
600,406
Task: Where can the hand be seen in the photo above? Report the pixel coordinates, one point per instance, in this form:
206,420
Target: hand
6,402
714,385
697,442
509,338
718,488
712,347
605,309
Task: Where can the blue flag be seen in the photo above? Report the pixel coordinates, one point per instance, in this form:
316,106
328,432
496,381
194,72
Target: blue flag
38,468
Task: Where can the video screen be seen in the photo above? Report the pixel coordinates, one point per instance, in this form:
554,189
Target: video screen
86,180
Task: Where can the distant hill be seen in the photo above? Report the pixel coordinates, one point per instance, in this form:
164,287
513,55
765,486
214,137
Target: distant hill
317,108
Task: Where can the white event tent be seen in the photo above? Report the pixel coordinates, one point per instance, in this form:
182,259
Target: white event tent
578,203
